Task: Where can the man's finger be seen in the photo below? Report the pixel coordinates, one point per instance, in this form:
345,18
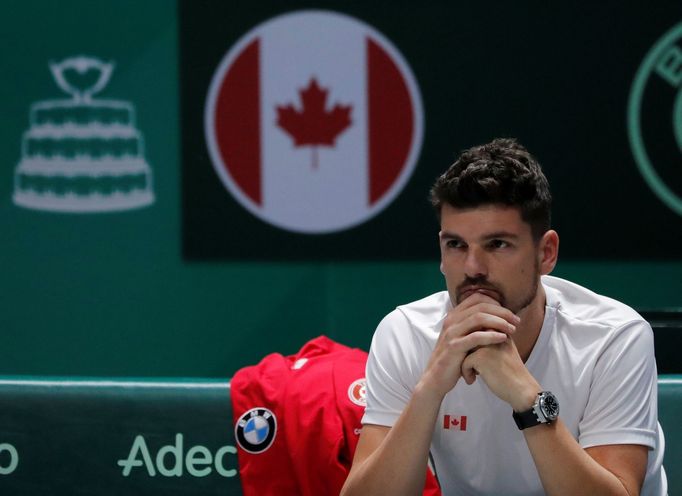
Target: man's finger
475,299
480,317
481,338
469,371
487,305
480,321
498,310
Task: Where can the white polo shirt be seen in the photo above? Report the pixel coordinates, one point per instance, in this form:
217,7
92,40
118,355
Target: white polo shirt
594,353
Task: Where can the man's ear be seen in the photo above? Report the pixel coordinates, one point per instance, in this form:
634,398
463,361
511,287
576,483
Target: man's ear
548,251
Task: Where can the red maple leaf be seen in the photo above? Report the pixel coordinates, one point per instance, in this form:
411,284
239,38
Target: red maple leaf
314,125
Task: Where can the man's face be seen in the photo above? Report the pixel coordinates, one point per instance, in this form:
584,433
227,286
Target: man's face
489,249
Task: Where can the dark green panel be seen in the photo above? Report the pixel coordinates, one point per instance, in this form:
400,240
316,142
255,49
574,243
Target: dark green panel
111,437
110,294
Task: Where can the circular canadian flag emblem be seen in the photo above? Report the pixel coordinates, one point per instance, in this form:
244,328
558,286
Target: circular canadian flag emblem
314,122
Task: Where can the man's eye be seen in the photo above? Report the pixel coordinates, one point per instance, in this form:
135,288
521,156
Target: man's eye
454,243
498,243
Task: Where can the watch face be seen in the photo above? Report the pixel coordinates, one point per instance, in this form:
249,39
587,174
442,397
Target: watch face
549,406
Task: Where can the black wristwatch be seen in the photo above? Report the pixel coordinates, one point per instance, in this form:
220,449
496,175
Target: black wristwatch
545,410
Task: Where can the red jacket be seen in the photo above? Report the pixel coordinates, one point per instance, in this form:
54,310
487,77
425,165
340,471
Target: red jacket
297,420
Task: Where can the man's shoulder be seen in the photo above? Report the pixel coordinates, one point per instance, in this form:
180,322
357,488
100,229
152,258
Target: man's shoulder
425,314
584,305
429,309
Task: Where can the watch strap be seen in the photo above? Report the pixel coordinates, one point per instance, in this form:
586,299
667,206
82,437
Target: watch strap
526,419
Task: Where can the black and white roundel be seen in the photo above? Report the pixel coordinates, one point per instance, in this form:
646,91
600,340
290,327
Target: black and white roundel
255,430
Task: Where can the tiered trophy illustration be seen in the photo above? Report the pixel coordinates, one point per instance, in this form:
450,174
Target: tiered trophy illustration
82,154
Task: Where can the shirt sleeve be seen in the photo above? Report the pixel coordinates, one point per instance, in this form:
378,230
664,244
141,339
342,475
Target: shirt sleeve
622,405
393,370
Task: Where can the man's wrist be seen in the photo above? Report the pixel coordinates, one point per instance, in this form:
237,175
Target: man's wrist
426,391
526,399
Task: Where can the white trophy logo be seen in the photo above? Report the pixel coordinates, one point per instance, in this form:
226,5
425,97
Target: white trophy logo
82,154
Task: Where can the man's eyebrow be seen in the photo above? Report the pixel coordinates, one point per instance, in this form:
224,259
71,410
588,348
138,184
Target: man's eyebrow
493,235
445,235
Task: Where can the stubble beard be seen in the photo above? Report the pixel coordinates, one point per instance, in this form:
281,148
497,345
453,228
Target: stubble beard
530,296
527,299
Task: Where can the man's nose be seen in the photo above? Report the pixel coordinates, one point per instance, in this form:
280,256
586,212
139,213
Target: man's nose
475,264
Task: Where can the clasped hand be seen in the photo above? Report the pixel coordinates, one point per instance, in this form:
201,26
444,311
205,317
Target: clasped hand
476,339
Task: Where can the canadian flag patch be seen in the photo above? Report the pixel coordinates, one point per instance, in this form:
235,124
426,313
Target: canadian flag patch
453,422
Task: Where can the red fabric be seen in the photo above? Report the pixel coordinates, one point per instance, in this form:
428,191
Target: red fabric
318,424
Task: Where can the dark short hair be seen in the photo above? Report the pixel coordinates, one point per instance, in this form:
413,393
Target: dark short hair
500,172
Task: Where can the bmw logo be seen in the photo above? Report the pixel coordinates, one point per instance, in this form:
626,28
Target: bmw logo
255,431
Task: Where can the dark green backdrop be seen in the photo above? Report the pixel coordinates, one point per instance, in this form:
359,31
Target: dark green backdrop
110,294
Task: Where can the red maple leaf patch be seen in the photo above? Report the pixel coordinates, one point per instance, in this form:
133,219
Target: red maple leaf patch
314,125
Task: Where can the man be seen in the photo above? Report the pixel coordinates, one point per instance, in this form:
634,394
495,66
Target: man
516,382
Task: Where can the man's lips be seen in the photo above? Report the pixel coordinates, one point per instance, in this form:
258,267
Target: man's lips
468,291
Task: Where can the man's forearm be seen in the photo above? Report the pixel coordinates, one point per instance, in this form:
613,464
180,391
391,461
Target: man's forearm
565,468
398,466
